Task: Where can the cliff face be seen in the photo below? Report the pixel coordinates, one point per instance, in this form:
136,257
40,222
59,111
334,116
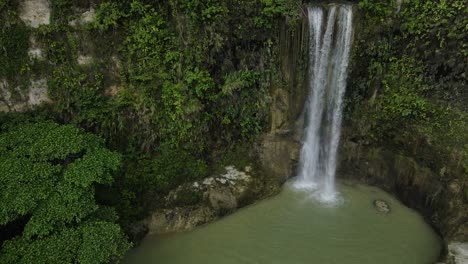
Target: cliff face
401,132
21,94
280,146
412,148
398,101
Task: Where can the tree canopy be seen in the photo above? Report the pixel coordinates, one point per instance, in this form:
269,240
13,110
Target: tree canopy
48,174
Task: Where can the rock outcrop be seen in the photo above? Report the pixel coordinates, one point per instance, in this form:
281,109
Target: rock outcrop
439,197
22,100
35,12
457,253
280,147
199,202
382,206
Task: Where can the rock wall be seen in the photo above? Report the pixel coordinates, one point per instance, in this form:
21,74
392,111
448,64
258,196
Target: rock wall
199,202
23,99
439,197
35,12
34,91
422,176
280,147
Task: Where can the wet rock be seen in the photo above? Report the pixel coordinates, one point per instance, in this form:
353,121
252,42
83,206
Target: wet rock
279,156
137,231
222,200
382,206
178,219
457,253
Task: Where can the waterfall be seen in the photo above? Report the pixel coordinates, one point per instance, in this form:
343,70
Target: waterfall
330,31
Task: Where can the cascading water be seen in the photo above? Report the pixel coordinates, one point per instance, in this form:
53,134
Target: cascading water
330,31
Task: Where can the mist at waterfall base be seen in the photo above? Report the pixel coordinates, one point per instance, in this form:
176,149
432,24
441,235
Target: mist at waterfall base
330,42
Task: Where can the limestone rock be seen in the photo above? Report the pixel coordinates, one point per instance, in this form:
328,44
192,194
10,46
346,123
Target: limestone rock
84,59
112,90
35,12
458,253
222,200
38,92
35,51
35,94
7,102
199,202
178,219
86,17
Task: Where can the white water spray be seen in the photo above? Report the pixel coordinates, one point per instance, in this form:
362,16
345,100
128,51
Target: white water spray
329,50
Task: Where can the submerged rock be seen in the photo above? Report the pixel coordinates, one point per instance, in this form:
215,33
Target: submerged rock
382,206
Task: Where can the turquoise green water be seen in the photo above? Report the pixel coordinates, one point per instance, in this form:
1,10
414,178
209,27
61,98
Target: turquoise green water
293,228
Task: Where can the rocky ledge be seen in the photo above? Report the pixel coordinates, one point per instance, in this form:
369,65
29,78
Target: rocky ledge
199,202
457,253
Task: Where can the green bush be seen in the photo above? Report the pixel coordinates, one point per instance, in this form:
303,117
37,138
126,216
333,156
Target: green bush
48,174
407,82
14,44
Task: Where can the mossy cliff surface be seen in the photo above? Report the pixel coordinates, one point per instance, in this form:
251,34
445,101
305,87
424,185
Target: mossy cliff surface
179,88
406,120
184,88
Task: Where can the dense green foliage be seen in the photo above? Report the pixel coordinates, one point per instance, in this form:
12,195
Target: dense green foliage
176,86
168,69
185,77
14,43
48,173
409,85
169,84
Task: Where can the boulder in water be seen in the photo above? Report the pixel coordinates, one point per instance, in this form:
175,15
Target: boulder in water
382,206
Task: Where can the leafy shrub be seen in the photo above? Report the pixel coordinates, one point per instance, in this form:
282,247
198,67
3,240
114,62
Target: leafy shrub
14,44
48,173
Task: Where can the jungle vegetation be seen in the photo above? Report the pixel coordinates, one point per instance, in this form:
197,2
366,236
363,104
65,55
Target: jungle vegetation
173,82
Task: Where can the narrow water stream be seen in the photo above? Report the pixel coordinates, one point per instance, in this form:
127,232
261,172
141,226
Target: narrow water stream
292,227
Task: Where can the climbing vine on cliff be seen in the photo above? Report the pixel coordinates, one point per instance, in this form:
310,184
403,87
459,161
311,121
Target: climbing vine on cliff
410,82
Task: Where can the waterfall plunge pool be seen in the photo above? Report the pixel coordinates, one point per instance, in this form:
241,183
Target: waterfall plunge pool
294,228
